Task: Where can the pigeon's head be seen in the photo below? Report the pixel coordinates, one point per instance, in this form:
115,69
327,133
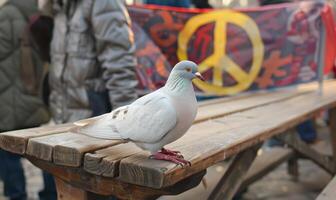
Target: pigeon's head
187,69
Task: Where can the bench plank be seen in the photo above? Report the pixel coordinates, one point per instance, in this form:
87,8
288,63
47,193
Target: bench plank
233,105
329,193
42,147
16,141
105,162
65,148
206,146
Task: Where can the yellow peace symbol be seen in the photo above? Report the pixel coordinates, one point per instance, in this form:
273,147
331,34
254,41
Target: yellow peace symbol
219,61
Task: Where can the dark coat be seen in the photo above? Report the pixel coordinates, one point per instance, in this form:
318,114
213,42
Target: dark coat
19,107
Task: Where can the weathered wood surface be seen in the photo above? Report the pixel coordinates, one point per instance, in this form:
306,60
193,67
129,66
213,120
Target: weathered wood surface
65,148
209,142
16,141
105,162
329,193
221,107
228,185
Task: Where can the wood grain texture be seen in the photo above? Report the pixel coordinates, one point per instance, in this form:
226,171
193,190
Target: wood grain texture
42,147
105,162
72,152
16,141
329,192
65,148
233,105
211,141
302,88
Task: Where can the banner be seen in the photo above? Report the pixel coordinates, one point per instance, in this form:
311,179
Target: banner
236,50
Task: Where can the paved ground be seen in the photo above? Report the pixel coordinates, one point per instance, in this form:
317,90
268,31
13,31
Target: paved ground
277,185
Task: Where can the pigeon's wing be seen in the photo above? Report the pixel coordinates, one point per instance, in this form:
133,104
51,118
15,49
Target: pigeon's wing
146,120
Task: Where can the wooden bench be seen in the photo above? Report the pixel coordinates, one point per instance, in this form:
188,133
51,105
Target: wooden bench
90,168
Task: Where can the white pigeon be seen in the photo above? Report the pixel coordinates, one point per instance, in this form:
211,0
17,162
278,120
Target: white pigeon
155,119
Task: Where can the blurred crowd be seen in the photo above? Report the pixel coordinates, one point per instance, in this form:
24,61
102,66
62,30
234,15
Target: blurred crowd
66,60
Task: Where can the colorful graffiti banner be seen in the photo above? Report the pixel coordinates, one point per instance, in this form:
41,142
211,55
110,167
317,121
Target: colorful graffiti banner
237,50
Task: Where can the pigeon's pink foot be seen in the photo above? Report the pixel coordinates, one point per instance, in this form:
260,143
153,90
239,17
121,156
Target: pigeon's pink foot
171,158
171,153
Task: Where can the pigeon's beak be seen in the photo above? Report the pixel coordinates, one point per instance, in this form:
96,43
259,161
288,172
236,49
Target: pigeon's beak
199,75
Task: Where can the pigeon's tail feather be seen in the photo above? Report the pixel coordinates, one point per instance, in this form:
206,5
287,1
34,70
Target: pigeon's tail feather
99,127
100,131
91,120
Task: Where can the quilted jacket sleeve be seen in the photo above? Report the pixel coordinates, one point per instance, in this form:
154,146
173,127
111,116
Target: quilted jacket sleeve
115,48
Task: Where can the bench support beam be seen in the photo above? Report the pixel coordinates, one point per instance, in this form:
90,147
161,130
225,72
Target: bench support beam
292,139
293,167
265,163
229,184
66,191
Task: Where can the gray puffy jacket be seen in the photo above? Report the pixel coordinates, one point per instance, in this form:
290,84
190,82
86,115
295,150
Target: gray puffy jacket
20,106
93,63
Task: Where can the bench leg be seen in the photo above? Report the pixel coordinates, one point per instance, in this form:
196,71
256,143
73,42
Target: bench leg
234,176
65,191
332,126
293,168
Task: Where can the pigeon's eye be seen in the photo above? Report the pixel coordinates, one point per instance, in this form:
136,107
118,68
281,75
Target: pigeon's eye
188,69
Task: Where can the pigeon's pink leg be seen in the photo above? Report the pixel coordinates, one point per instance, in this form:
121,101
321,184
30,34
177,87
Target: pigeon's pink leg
171,152
171,158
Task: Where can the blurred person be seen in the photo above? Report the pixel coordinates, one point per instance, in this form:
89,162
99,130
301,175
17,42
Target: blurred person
22,73
92,59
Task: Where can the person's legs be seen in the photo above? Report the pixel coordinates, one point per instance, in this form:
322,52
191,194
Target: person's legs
49,190
307,131
11,173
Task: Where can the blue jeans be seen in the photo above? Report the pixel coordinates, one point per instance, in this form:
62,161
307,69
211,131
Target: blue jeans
307,131
49,190
11,173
